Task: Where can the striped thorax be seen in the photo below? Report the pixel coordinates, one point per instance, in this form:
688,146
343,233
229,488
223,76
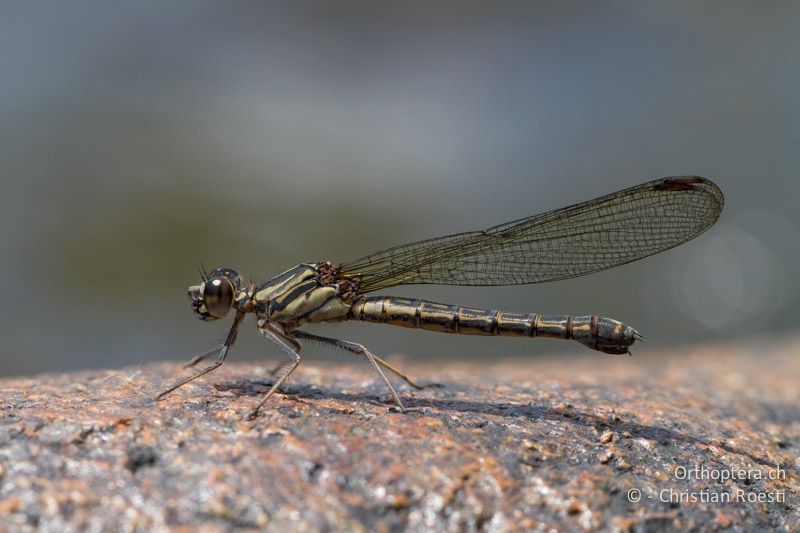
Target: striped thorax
301,295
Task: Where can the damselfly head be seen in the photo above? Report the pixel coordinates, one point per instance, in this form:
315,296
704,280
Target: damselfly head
213,298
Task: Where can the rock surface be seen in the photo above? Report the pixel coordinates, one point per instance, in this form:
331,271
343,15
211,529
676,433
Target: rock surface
527,444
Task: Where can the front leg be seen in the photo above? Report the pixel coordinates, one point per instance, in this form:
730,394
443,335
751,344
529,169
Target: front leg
222,354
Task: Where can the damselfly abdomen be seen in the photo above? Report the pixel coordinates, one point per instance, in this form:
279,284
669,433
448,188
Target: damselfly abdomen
565,243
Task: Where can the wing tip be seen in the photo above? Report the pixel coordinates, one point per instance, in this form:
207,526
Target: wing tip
694,184
684,183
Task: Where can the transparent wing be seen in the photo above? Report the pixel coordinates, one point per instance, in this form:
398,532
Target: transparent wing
602,233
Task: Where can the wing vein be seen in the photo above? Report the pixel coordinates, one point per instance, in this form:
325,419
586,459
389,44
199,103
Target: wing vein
573,241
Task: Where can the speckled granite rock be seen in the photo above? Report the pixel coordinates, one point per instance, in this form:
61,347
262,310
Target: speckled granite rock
516,445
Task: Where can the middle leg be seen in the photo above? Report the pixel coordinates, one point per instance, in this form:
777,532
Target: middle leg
291,347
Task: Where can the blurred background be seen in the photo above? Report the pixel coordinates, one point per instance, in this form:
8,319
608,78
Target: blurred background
141,139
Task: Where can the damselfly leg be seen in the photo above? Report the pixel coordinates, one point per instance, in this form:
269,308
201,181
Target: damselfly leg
360,349
223,353
289,346
199,357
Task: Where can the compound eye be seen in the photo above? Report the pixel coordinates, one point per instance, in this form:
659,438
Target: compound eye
218,295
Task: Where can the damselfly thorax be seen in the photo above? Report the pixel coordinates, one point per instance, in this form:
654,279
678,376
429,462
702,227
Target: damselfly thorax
573,241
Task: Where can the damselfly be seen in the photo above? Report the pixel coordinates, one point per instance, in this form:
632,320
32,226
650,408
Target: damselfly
603,233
